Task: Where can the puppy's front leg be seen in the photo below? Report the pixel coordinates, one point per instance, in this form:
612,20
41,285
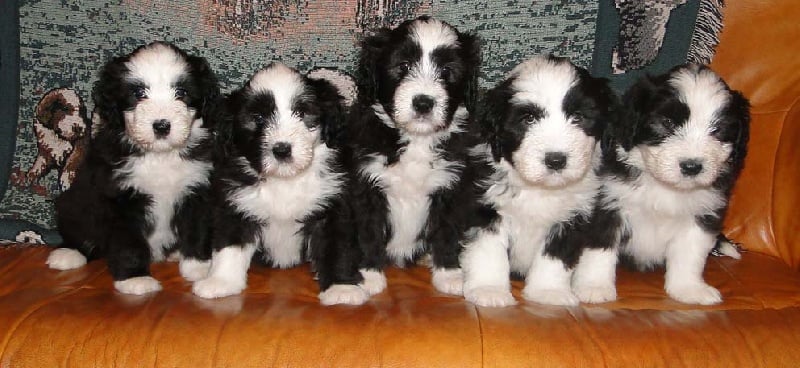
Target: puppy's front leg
594,277
686,259
228,274
372,231
487,269
442,236
129,261
548,282
336,257
194,236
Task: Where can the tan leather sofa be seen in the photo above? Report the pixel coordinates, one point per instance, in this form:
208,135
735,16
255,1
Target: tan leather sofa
74,318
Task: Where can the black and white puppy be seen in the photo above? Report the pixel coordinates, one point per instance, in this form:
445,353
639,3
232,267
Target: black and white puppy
142,192
544,123
279,186
410,140
677,153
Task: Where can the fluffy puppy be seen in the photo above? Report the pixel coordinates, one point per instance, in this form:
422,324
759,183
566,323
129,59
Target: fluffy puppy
675,157
409,139
544,124
142,191
279,186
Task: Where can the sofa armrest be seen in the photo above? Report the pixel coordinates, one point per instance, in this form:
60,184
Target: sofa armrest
757,55
786,189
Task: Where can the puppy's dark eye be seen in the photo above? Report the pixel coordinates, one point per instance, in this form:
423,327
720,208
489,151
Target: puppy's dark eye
259,119
667,122
312,122
140,93
527,119
180,93
714,129
577,118
445,73
402,67
300,114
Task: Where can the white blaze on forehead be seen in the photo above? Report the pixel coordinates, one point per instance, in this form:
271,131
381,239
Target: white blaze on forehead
158,66
282,82
544,82
704,93
430,34
424,79
285,84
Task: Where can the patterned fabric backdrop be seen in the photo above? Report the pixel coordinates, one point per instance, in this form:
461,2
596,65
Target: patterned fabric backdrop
63,43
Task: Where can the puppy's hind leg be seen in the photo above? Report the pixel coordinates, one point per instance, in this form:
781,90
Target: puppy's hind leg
79,216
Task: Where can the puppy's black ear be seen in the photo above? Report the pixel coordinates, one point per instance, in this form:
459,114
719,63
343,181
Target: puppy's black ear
109,92
610,116
636,103
206,82
491,116
607,102
367,74
471,54
740,111
332,112
221,120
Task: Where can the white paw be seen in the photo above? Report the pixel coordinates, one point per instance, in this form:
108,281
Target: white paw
214,287
595,293
65,259
700,293
194,269
550,296
374,281
343,294
489,296
449,281
138,285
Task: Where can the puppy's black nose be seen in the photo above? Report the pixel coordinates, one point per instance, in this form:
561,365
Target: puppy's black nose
422,103
691,167
282,150
161,128
555,160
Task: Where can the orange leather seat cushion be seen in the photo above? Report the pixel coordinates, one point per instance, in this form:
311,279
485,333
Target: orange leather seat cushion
54,318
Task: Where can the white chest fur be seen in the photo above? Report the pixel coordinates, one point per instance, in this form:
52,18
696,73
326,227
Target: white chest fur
282,203
529,212
408,184
166,178
655,213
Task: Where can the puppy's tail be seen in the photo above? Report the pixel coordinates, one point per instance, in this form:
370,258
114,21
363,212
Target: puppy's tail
726,247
